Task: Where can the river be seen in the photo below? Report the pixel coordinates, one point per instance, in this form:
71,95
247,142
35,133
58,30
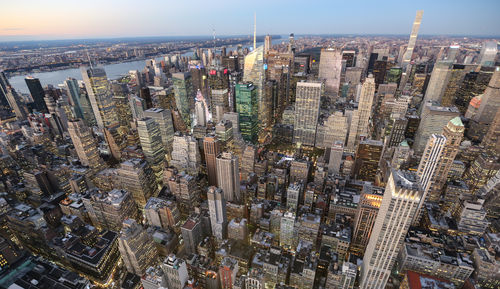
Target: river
113,71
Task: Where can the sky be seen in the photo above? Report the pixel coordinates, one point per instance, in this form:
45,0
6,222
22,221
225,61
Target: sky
67,19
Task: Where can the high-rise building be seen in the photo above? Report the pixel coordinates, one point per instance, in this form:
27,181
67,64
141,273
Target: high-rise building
211,148
200,112
37,93
85,144
137,177
220,103
307,103
185,154
248,161
192,233
267,43
175,271
426,172
109,210
438,82
335,160
162,213
330,68
247,106
287,230
433,119
368,157
184,95
368,206
413,39
163,118
335,129
228,176
490,103
137,248
137,106
491,141
9,99
101,97
217,208
365,107
254,72
152,146
398,208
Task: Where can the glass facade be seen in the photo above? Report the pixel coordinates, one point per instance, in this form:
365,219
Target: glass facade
247,108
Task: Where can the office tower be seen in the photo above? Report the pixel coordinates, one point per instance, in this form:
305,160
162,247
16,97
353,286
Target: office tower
482,169
192,233
433,119
137,106
368,157
85,144
453,132
488,53
254,73
175,271
228,176
457,76
267,43
200,113
137,177
137,248
398,208
330,68
335,160
217,208
163,118
233,117
368,207
162,213
108,210
212,148
397,132
293,197
307,102
10,99
413,39
248,110
224,132
152,146
37,93
438,82
75,97
220,103
184,95
248,161
490,103
365,107
185,154
379,68
491,141
426,172
101,97
471,217
287,230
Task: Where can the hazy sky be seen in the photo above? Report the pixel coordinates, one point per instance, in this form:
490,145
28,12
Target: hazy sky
59,19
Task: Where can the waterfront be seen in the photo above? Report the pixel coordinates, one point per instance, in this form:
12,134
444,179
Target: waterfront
114,71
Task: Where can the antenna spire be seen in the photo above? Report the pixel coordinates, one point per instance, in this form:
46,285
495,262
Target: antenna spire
254,30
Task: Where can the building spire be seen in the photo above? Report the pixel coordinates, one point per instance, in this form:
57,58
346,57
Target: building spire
254,30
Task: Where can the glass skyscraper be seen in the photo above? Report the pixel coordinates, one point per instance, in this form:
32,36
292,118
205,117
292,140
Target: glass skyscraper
248,110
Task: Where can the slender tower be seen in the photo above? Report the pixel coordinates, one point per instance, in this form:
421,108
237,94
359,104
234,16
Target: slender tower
413,39
254,30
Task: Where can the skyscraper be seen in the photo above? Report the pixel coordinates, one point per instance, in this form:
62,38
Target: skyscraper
217,208
137,248
184,95
254,72
152,146
368,157
185,153
211,147
438,82
37,93
413,39
163,118
137,177
330,68
101,97
365,107
307,102
200,113
399,205
490,102
335,129
248,110
176,272
85,144
9,99
433,119
228,176
287,230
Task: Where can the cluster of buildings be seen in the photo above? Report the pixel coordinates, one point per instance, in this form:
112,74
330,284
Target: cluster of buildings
362,165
